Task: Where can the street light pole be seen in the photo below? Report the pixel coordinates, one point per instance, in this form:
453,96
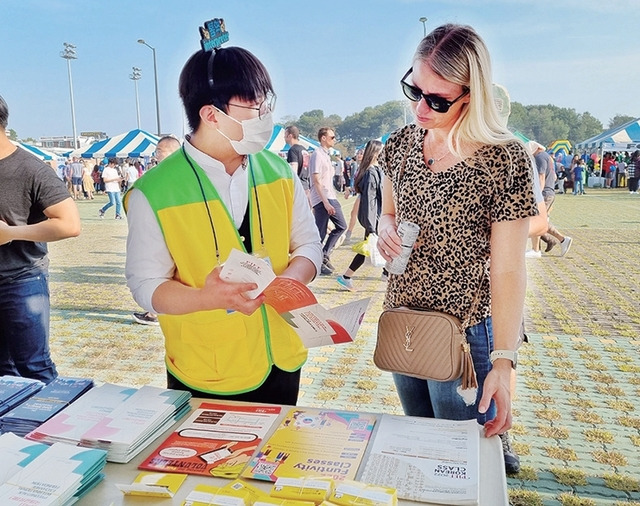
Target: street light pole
155,73
423,20
134,77
69,53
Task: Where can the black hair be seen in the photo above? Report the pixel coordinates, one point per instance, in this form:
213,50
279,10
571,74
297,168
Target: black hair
234,72
4,114
371,152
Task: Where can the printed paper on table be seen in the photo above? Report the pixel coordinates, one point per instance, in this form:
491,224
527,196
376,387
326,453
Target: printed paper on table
154,484
216,440
426,459
312,442
316,325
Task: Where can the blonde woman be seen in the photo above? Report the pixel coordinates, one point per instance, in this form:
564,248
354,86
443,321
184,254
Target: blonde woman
87,179
461,176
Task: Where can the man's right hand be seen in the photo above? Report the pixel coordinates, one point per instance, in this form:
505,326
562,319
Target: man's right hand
330,209
220,294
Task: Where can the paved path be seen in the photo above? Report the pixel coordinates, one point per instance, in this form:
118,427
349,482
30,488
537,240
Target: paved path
576,425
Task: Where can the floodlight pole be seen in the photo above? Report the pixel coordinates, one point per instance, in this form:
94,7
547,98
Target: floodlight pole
135,76
423,20
69,53
155,73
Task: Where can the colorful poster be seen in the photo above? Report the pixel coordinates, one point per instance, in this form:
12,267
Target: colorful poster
312,442
216,440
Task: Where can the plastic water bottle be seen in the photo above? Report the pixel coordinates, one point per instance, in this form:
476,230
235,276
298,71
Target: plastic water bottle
408,232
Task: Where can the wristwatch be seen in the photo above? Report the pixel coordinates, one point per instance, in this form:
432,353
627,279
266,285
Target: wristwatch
508,354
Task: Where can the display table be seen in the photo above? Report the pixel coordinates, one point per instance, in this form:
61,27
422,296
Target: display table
493,483
596,182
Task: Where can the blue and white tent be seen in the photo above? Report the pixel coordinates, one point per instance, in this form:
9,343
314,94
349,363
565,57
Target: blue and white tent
623,138
36,151
133,144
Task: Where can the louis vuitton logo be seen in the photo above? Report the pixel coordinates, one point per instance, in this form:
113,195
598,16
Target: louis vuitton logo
407,338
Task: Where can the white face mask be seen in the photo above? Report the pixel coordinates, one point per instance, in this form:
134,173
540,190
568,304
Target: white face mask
256,133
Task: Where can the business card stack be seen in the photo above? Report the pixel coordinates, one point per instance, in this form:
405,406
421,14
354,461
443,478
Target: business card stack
37,474
15,390
44,404
120,420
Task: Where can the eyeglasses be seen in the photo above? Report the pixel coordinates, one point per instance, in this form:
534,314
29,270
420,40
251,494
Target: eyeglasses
266,106
435,102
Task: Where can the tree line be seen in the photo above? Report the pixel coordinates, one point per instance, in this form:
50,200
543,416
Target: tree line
543,123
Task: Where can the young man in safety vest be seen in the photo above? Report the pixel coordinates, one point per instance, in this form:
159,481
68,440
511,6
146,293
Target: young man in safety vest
222,191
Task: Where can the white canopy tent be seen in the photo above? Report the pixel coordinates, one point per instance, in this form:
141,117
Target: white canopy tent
622,138
133,144
40,153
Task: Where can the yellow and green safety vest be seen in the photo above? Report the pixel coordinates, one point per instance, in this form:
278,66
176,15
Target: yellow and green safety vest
216,351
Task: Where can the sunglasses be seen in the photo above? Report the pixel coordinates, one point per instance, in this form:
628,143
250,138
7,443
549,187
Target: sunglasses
435,102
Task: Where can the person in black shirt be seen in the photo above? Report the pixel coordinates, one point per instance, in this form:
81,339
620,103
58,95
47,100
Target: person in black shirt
35,208
298,157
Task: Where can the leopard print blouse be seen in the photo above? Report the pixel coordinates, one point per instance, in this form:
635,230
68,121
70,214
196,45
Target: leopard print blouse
455,208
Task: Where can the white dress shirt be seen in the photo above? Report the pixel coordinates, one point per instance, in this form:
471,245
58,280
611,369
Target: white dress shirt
149,263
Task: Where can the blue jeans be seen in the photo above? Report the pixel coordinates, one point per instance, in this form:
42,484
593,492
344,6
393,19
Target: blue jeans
114,198
24,329
578,187
439,399
322,221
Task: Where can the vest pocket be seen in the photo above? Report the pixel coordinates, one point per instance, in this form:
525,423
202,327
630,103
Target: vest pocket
216,351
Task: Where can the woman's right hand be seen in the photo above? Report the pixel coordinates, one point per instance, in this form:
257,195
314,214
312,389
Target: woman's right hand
389,243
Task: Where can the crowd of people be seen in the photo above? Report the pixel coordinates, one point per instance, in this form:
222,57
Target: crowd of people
617,169
457,172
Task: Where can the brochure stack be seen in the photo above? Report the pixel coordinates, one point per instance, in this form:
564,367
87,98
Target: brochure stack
123,421
44,404
15,390
37,474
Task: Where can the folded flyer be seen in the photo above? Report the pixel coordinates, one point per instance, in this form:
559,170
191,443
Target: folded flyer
316,325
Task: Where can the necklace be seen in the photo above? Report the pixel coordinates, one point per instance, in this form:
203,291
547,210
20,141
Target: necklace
431,161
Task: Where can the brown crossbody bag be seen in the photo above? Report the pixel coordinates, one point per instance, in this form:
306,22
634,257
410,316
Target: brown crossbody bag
425,344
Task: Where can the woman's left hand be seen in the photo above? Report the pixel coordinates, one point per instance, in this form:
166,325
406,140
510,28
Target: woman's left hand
497,386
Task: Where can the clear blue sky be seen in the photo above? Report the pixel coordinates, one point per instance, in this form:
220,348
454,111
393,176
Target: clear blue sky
338,56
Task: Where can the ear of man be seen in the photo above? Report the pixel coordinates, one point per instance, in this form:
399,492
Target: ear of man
209,115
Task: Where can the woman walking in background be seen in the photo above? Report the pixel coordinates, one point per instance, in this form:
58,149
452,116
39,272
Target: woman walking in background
633,171
368,186
87,180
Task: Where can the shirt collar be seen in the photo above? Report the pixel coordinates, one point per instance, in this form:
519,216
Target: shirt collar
206,162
